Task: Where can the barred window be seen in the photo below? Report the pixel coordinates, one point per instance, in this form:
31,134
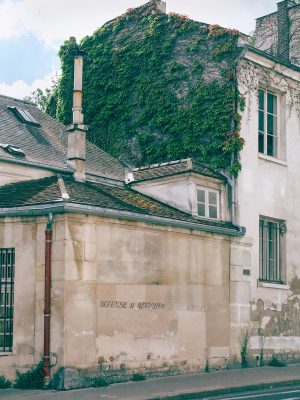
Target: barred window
270,257
7,271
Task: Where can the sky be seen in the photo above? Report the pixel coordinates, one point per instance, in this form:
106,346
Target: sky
31,31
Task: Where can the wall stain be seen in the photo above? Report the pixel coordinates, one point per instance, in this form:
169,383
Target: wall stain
284,322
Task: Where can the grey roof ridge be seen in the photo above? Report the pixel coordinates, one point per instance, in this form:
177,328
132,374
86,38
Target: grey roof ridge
19,100
187,171
163,164
61,207
190,168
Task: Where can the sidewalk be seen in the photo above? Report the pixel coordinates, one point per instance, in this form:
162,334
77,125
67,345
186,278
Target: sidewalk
182,387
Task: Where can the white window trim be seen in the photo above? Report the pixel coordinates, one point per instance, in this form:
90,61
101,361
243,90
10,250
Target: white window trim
272,159
269,285
207,190
267,90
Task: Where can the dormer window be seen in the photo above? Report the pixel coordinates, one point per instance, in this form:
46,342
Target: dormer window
25,116
208,203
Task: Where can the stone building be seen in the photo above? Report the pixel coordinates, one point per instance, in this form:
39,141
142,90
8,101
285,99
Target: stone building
278,33
152,268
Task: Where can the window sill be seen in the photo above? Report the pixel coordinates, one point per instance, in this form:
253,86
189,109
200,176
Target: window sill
271,285
207,218
272,159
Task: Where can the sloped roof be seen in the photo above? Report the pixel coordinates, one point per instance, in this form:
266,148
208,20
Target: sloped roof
117,198
173,168
46,145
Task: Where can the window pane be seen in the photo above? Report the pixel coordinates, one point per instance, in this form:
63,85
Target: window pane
213,212
201,196
261,142
212,198
201,209
261,121
271,145
261,99
270,120
272,103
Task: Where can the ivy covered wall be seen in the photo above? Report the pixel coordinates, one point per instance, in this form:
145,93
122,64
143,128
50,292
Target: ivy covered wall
157,87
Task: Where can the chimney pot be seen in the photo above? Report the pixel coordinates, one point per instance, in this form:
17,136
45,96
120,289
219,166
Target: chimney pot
77,130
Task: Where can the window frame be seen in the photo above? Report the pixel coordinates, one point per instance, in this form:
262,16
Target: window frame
276,122
271,258
7,279
208,190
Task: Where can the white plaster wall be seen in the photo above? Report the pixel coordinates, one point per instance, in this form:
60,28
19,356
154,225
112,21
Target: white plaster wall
177,191
10,173
266,186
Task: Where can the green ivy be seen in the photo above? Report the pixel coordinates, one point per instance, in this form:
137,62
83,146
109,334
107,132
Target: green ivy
157,87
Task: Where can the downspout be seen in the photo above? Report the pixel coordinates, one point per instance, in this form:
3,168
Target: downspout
47,309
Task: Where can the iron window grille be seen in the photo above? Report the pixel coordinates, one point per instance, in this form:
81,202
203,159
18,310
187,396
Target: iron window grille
270,257
7,272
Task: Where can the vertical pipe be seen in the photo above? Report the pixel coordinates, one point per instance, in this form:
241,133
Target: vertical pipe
47,308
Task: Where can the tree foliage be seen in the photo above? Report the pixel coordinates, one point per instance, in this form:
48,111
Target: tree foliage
157,87
45,99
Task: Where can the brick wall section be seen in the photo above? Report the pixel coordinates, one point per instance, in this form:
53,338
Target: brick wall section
283,31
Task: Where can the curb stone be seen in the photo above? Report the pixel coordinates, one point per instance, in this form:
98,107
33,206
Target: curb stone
216,392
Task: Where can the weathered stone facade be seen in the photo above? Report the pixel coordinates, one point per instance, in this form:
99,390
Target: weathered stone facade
129,295
141,282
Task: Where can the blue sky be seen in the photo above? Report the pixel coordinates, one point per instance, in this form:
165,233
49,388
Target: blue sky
32,30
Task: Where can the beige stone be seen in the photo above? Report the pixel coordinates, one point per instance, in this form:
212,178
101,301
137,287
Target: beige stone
240,256
240,293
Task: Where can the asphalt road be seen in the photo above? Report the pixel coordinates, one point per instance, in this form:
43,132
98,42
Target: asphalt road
287,393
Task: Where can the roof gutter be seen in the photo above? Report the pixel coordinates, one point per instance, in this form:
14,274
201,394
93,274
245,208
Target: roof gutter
270,57
55,208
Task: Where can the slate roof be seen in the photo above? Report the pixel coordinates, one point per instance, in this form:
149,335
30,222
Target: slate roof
173,168
47,144
118,198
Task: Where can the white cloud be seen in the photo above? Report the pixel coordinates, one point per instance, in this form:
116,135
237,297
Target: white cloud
21,89
53,21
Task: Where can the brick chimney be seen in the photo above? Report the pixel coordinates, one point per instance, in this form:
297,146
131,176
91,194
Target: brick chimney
283,22
77,130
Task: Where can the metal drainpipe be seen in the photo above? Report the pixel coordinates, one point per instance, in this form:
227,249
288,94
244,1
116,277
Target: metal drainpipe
47,309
